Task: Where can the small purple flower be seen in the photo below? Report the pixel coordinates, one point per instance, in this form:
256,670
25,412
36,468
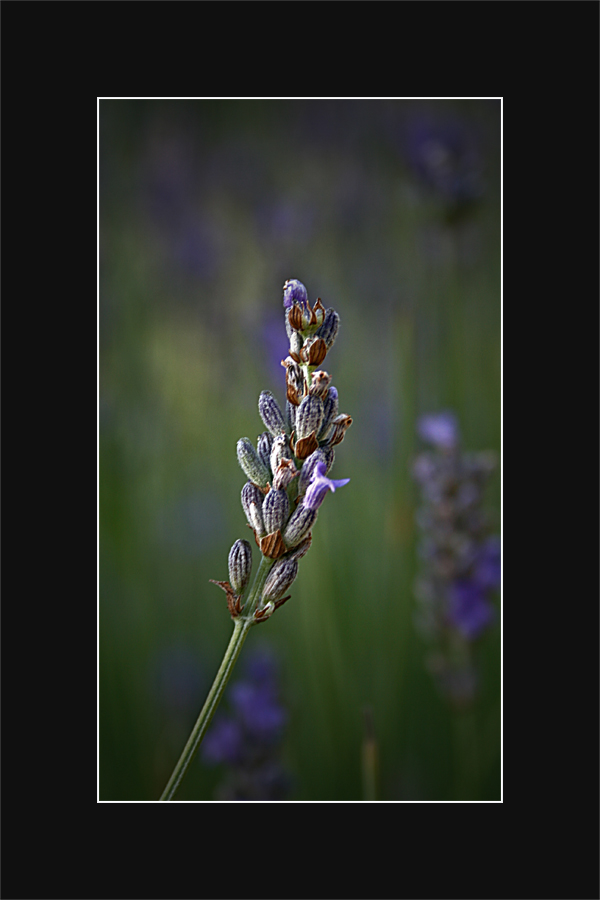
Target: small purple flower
469,609
294,290
487,571
439,429
319,486
460,562
248,740
224,742
258,708
444,153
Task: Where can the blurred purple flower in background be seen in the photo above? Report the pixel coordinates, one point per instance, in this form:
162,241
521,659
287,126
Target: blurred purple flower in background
176,200
469,610
443,153
440,429
460,561
486,569
248,739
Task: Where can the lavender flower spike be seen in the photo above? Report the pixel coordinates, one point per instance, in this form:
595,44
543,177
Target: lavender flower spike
460,561
319,486
286,483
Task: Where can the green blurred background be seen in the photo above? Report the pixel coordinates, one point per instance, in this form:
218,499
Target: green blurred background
389,210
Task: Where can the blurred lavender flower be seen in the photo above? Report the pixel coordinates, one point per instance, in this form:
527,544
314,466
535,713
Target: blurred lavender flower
486,570
460,561
469,610
444,154
440,429
174,199
248,739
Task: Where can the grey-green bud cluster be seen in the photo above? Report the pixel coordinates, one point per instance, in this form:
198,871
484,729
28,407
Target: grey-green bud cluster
329,329
287,470
264,446
280,579
240,565
251,463
330,411
252,499
300,549
300,523
309,416
271,414
275,510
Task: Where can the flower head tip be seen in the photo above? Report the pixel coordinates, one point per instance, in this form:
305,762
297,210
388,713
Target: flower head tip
294,290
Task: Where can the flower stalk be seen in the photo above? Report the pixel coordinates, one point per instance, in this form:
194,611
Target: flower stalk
240,632
287,483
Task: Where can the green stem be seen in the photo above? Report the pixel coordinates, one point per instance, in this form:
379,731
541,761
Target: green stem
240,630
241,627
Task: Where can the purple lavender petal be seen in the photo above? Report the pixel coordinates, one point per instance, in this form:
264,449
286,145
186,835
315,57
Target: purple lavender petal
319,486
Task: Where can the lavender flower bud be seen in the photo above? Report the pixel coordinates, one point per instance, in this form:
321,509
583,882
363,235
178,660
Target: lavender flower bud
309,416
301,549
271,414
252,500
329,329
275,510
250,462
300,523
240,565
330,411
280,450
264,447
280,579
294,290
